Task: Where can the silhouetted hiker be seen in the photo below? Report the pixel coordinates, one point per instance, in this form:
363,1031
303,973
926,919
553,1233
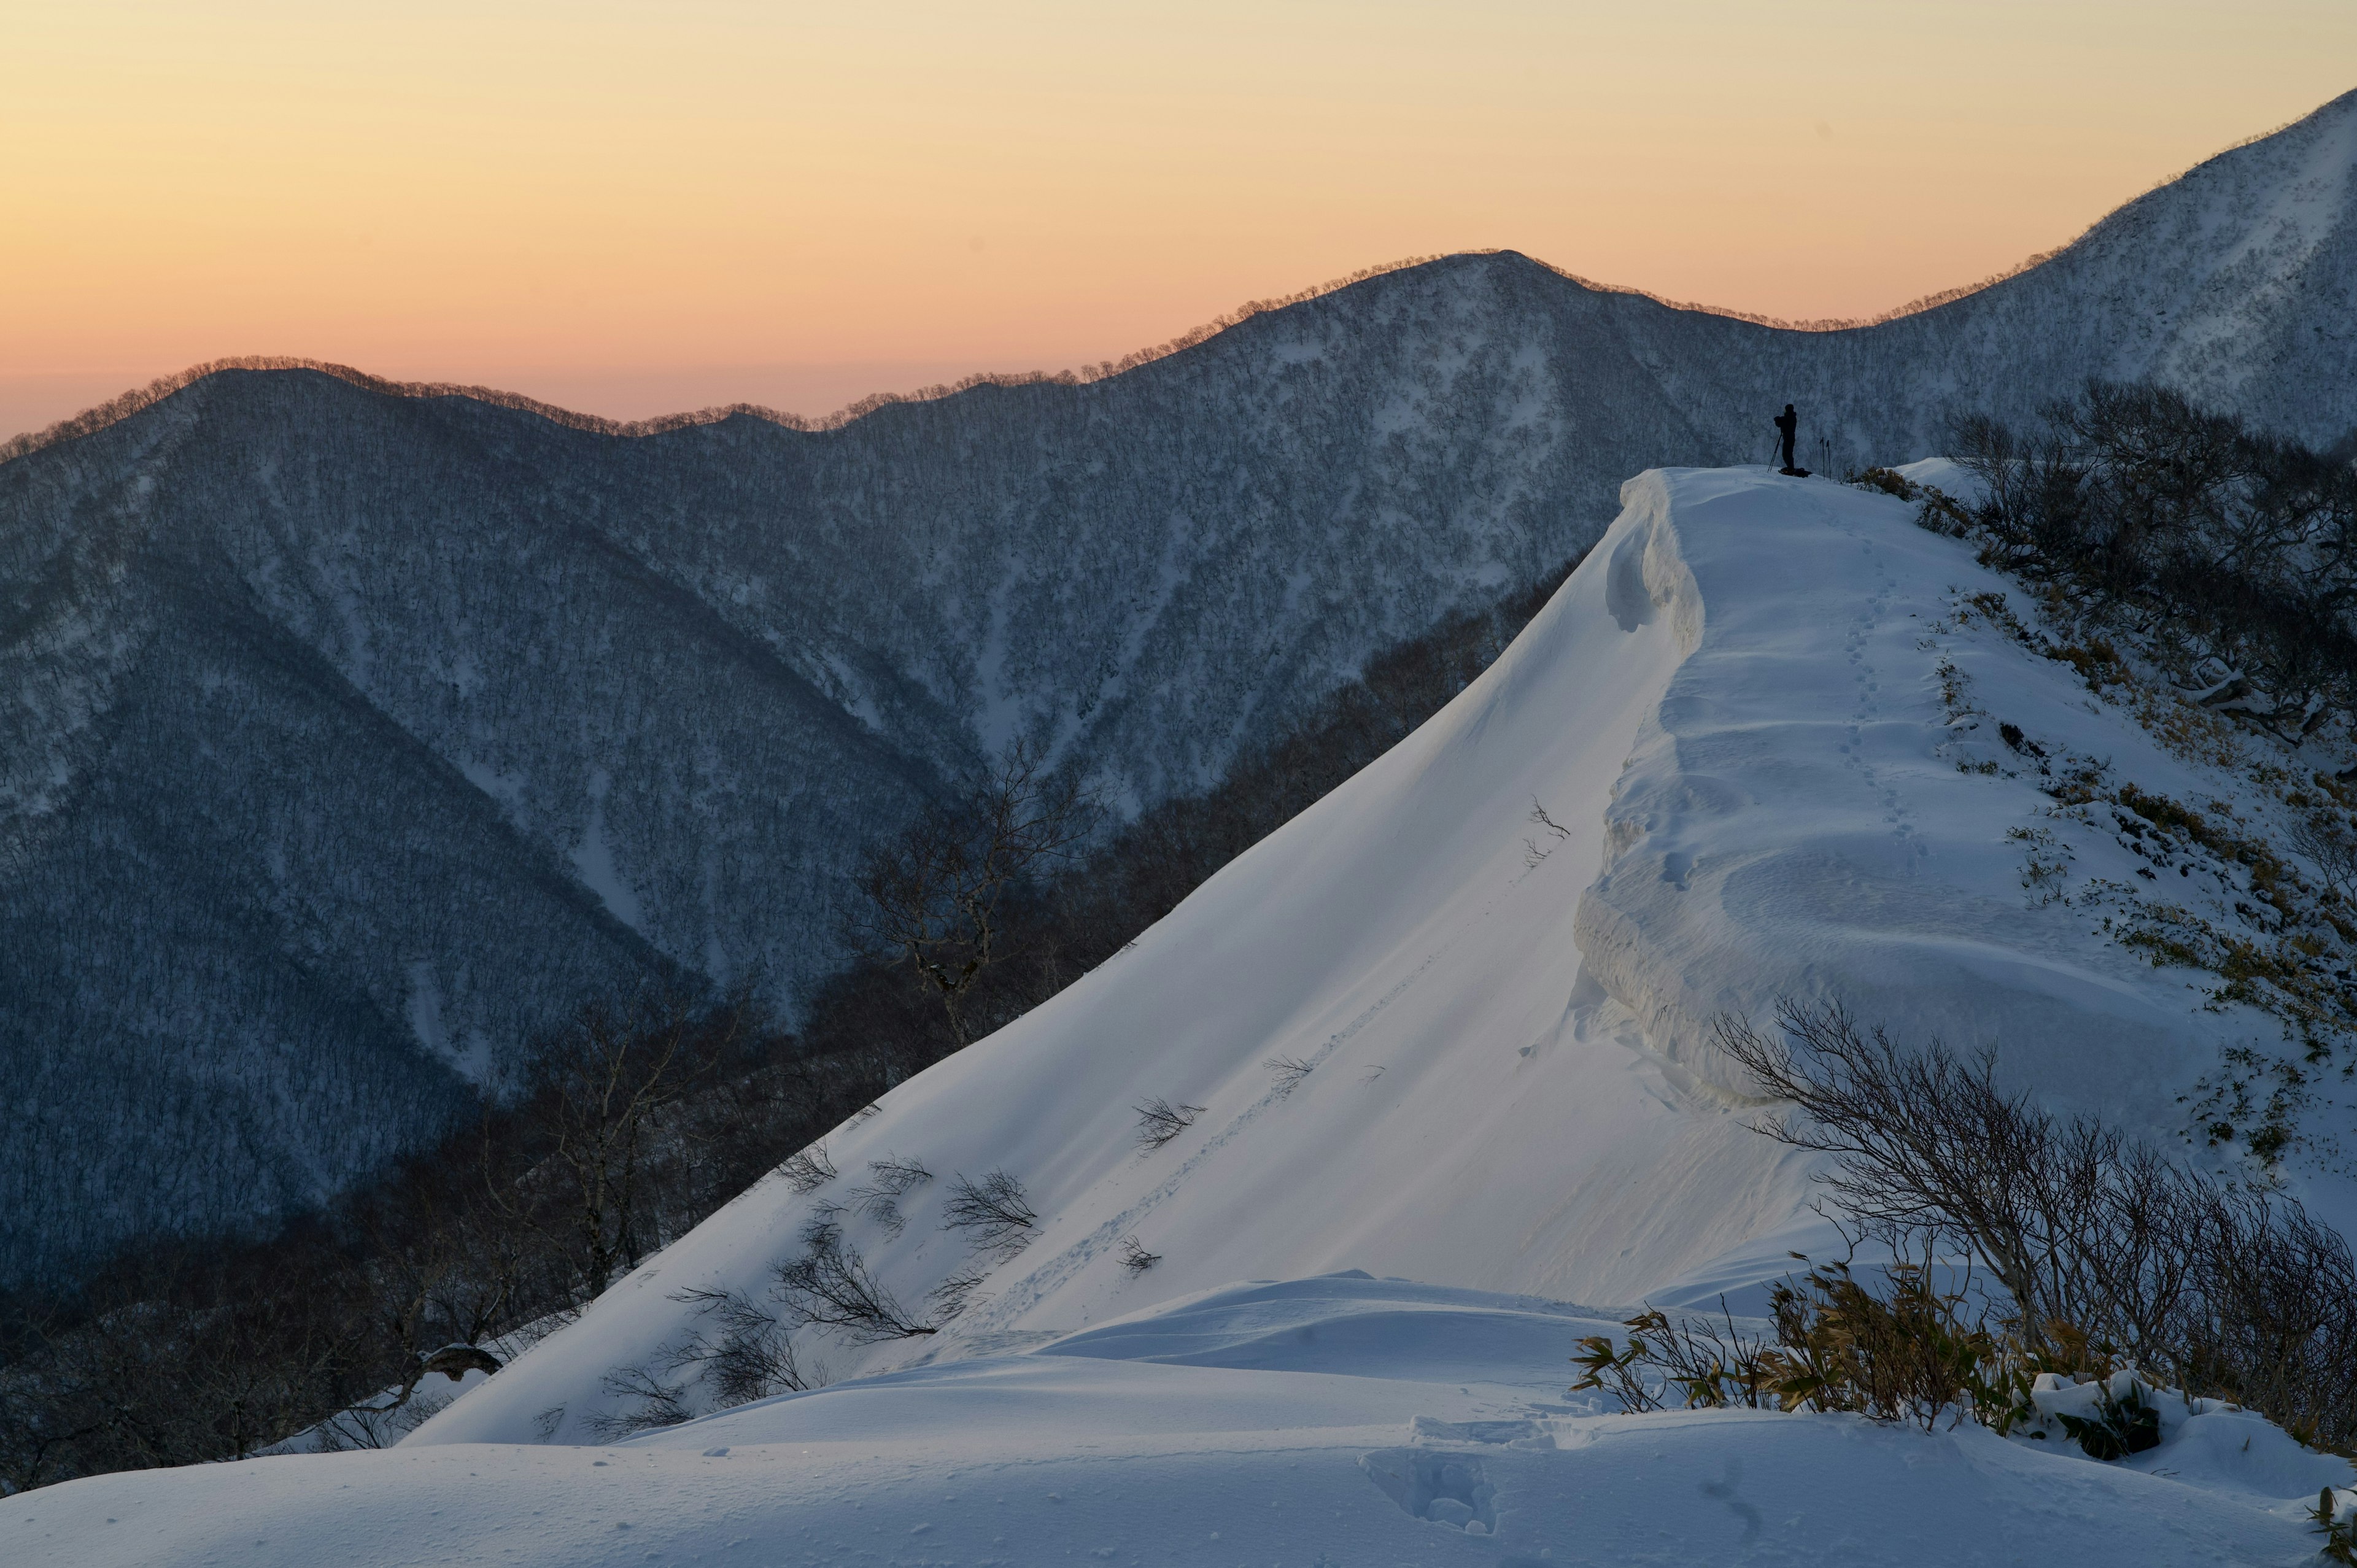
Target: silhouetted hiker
1788,426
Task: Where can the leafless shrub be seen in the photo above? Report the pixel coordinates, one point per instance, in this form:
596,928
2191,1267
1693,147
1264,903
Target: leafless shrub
1159,1120
1289,1071
890,1179
897,1176
2104,1249
2276,1325
933,899
809,1170
1136,1258
955,1293
878,1206
656,1404
993,1213
1532,851
2325,838
2151,510
829,1287
743,1354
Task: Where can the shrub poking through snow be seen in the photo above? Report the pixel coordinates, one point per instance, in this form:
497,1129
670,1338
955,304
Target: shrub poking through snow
1906,1355
1159,1120
1289,1071
1889,481
1136,1258
2107,1252
896,1175
993,1213
742,1353
809,1170
2151,508
2110,1418
2324,837
829,1287
890,1179
1710,1364
955,1293
653,1404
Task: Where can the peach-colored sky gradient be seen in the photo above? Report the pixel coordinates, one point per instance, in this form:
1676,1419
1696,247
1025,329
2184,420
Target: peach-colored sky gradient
629,207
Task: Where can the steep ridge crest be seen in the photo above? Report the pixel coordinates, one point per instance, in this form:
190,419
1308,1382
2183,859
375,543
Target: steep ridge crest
1451,1023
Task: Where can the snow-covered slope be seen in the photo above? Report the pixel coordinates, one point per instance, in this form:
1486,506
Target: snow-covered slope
1755,720
1229,1430
1745,714
347,739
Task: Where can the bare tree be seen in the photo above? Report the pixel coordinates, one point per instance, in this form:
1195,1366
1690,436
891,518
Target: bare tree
993,1212
2103,1247
743,1353
2324,837
889,1180
829,1286
809,1169
933,899
593,1110
655,1404
1290,1071
1159,1120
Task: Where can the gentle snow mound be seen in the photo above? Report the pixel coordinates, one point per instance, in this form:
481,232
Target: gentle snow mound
1415,1457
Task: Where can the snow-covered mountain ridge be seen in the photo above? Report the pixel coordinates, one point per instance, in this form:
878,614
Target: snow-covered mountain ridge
348,740
1742,717
1756,725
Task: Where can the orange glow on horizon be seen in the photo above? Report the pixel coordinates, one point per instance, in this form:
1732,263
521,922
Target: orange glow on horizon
630,207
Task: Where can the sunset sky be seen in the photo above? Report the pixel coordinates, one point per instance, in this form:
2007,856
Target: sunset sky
636,207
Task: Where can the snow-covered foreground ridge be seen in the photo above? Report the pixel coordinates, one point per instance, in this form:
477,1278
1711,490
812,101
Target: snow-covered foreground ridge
1749,752
1332,1421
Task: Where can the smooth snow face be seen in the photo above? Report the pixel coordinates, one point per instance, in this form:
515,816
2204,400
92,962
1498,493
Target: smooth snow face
1336,1419
1740,715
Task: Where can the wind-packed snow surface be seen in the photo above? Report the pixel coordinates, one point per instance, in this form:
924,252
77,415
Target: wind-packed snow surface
1333,1421
1448,1026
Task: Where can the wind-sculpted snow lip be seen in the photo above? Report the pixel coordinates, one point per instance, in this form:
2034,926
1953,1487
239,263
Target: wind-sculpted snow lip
1792,824
1353,1325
